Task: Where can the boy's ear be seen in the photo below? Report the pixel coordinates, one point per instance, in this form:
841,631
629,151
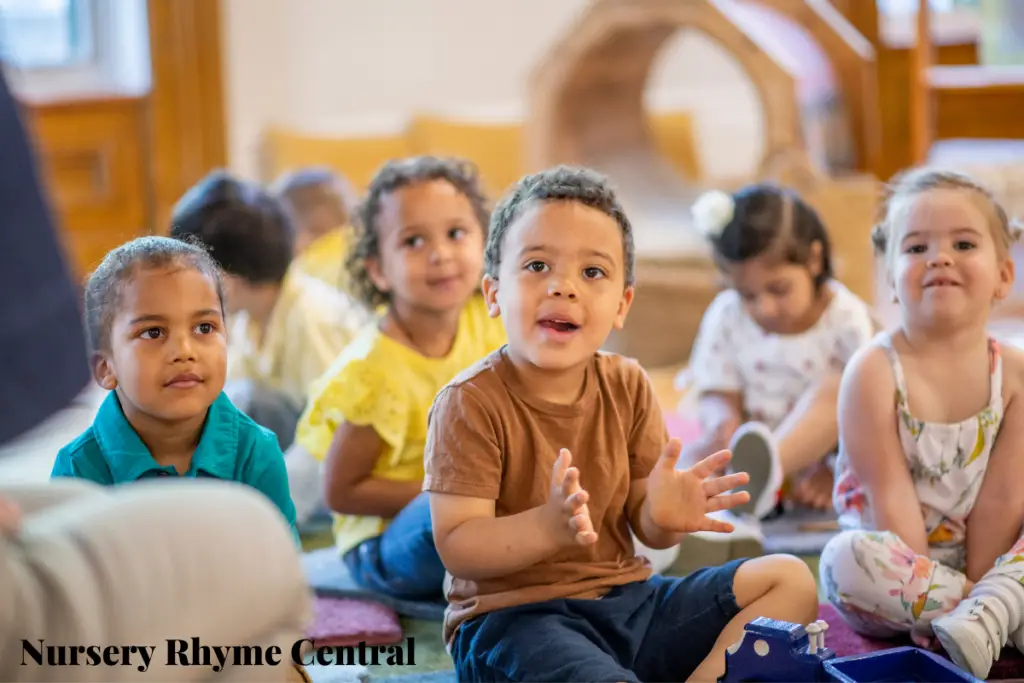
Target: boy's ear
489,286
376,275
624,304
103,372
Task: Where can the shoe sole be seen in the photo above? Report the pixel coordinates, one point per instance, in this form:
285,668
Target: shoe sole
753,455
957,654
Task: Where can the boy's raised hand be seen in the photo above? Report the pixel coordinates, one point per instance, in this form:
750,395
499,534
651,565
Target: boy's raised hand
679,500
566,508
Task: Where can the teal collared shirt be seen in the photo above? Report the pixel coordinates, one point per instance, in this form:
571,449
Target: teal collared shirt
232,447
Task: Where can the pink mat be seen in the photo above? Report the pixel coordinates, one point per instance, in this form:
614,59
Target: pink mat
686,428
349,621
844,642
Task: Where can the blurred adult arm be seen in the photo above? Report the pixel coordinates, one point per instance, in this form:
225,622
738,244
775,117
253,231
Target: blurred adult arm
42,340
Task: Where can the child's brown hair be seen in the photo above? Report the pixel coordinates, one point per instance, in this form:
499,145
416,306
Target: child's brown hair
907,186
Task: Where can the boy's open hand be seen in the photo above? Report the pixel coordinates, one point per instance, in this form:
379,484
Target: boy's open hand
566,508
679,500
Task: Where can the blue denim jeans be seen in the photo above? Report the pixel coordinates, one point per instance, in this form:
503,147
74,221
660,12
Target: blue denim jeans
402,562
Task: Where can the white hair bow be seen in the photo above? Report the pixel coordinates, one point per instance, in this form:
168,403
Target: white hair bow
712,212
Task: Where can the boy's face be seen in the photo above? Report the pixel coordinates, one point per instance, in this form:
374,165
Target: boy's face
167,355
431,247
561,284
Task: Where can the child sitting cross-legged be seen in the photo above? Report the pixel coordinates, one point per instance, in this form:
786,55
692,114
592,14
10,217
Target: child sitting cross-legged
931,421
544,457
155,320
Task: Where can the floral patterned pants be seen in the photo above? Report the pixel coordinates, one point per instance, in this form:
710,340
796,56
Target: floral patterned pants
883,588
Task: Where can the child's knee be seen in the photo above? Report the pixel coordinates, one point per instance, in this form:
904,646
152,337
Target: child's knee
778,575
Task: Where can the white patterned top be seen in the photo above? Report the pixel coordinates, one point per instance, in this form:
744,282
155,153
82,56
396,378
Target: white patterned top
732,353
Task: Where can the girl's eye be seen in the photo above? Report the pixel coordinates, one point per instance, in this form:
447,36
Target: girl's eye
457,233
151,333
593,273
915,249
536,266
414,242
964,245
205,328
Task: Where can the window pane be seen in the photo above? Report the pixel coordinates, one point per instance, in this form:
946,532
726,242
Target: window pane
44,33
910,6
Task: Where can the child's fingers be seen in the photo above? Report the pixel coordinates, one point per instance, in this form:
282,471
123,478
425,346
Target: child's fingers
10,516
727,500
571,483
709,465
715,485
562,463
586,538
670,454
581,523
576,501
716,525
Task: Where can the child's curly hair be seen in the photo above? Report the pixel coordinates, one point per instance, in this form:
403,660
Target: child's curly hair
559,184
392,176
907,186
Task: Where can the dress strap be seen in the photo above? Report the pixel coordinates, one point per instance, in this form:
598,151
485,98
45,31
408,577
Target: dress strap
996,377
885,341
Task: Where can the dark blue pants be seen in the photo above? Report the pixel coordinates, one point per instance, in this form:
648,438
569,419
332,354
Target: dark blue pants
402,562
655,630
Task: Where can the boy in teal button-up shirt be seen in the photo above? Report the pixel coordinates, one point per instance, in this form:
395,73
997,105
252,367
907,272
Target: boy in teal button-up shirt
154,316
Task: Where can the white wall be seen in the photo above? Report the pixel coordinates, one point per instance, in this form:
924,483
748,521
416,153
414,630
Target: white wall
361,66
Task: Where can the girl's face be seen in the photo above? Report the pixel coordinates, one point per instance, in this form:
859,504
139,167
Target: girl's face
946,268
779,296
167,354
431,247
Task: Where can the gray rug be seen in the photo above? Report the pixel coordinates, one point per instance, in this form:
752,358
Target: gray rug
327,575
799,531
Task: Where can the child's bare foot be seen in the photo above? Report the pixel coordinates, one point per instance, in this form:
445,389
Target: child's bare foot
814,489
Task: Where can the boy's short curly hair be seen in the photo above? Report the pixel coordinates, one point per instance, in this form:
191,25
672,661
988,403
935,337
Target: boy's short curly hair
559,184
105,286
906,186
248,232
391,177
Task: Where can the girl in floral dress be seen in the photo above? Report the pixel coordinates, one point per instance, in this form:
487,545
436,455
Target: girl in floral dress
931,418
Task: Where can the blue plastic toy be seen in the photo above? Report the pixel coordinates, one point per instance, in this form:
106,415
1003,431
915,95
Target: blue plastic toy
777,651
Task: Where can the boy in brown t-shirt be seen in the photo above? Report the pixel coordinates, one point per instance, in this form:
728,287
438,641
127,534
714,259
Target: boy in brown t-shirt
543,458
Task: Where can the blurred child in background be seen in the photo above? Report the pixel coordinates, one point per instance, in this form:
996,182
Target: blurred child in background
286,326
772,347
322,203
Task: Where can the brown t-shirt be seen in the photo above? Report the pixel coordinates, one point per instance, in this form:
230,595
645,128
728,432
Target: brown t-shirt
490,437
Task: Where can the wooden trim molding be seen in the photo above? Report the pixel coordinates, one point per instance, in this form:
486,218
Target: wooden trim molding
187,137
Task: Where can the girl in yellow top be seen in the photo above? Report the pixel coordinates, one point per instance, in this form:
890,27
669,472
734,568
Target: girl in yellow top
418,258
